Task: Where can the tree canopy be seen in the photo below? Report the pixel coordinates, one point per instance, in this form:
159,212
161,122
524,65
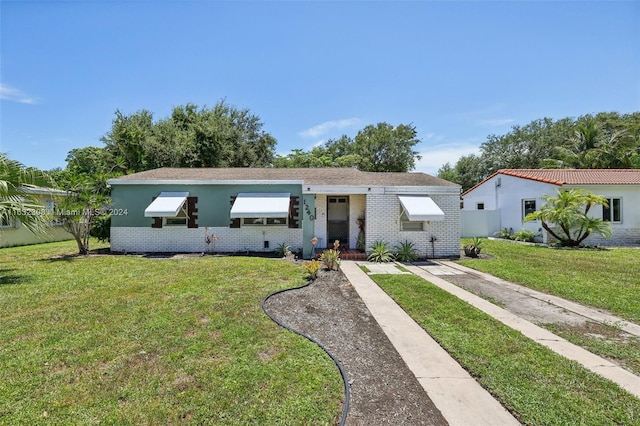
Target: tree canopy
604,140
222,136
376,148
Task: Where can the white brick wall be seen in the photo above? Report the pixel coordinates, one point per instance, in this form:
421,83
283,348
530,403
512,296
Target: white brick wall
176,239
383,223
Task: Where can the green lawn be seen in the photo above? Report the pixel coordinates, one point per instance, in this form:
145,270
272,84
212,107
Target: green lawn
537,385
607,279
126,340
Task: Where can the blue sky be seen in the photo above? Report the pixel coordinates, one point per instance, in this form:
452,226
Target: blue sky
311,70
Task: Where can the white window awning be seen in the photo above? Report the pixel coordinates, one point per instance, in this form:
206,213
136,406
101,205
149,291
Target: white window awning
167,204
420,208
260,205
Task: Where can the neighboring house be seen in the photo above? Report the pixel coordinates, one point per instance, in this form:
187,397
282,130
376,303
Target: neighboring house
13,233
503,200
257,209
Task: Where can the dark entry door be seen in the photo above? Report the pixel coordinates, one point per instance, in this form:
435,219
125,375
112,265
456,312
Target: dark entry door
338,220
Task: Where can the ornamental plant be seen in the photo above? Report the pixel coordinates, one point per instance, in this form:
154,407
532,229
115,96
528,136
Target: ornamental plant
312,267
331,257
380,252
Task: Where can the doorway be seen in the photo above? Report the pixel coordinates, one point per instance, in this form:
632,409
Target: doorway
338,220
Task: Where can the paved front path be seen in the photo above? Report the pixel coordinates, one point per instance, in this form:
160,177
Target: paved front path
460,399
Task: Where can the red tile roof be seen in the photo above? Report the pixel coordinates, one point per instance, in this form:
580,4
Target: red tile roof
573,176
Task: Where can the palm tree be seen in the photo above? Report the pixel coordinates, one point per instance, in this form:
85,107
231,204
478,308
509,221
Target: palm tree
565,217
17,198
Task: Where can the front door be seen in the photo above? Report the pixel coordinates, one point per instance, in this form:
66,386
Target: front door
338,220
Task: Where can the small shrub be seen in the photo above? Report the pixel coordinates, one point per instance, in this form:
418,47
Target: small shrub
101,228
504,233
331,257
526,236
473,249
406,252
312,267
282,250
380,252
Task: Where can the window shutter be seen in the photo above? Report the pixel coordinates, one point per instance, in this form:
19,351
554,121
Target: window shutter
294,211
192,212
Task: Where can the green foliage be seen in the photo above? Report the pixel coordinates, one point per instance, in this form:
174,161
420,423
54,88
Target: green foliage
525,236
331,258
380,252
17,202
222,136
504,233
282,250
584,276
128,340
312,267
473,249
604,140
565,216
521,373
86,200
467,171
406,252
379,148
101,228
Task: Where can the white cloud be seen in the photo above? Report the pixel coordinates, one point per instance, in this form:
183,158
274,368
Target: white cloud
326,127
496,122
9,93
436,156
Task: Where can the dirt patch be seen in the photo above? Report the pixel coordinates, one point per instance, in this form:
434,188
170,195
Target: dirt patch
383,389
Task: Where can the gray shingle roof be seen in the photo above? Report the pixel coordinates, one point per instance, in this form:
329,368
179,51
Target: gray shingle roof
312,176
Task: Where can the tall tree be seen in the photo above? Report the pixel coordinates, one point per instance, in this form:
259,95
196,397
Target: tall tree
17,199
385,148
222,136
379,148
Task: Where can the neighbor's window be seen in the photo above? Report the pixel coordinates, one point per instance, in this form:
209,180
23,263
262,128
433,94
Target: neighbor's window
528,206
612,212
480,206
262,221
407,225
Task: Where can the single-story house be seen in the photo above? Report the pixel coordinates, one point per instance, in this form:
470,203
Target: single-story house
258,209
13,233
503,200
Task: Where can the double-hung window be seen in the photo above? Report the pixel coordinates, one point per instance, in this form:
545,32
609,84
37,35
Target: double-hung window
612,212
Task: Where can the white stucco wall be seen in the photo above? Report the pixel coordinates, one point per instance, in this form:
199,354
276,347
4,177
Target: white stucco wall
507,199
506,195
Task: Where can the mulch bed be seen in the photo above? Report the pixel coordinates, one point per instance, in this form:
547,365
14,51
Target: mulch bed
383,389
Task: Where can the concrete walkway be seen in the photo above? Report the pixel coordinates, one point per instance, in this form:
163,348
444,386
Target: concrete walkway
458,396
460,399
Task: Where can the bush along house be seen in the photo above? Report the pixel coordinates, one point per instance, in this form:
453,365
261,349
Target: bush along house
228,210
